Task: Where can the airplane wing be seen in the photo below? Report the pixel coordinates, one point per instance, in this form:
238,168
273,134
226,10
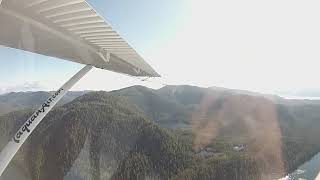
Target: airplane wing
70,30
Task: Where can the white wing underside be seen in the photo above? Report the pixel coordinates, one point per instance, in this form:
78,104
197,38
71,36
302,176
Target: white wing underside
70,30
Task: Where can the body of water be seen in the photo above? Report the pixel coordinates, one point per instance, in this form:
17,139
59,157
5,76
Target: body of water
307,171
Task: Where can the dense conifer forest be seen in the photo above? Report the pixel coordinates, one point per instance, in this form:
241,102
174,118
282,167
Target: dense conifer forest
176,132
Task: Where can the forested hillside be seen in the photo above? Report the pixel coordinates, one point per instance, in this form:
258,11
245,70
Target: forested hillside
119,143
176,132
29,100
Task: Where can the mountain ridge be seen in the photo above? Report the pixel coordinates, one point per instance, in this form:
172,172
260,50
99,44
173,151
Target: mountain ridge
279,135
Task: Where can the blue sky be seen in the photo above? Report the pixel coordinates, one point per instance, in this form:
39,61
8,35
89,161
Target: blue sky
143,23
267,46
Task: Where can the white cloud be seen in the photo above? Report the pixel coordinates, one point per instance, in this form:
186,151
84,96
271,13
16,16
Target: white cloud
27,86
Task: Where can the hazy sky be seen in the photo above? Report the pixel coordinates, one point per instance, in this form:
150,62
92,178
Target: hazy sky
264,46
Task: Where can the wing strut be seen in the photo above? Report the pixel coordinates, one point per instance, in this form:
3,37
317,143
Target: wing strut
26,129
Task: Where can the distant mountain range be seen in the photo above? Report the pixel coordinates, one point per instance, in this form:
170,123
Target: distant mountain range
176,132
304,93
